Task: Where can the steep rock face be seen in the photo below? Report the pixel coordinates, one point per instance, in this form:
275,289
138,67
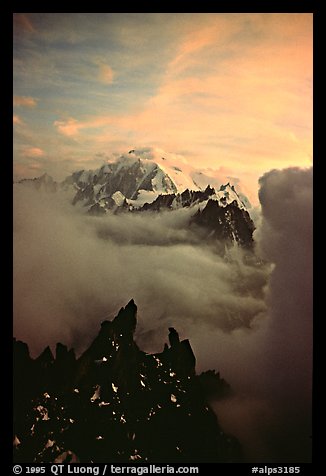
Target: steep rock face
228,224
126,176
116,403
132,184
187,198
222,219
135,183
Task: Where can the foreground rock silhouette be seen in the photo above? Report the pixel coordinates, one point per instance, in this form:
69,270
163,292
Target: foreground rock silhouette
116,403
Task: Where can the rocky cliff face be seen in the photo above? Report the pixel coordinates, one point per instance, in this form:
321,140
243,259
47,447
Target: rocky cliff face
221,215
127,176
229,224
116,403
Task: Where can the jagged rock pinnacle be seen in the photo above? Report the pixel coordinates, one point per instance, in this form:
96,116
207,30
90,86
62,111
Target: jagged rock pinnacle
173,337
116,402
126,320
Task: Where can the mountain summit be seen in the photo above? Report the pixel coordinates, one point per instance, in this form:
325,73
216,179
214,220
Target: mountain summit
140,177
145,181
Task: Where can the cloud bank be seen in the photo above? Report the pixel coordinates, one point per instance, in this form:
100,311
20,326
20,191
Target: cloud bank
250,321
273,409
70,270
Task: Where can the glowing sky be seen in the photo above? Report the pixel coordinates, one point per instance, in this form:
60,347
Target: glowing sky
227,91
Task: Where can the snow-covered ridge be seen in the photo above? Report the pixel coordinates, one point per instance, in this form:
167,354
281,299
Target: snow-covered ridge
139,177
227,194
135,184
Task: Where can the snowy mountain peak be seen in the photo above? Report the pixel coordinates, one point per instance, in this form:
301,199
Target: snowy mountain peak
227,194
141,181
171,165
131,176
138,177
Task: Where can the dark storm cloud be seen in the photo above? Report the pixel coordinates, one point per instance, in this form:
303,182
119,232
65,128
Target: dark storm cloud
286,240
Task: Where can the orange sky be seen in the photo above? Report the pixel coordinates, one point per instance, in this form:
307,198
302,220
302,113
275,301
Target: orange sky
232,92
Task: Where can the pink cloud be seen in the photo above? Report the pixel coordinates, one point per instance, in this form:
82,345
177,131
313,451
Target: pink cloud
34,152
246,109
35,166
217,30
69,128
16,120
23,23
105,73
26,170
72,127
249,107
25,101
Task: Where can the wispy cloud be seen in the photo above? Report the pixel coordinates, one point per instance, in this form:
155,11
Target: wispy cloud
69,128
24,101
23,22
105,74
211,37
72,127
34,152
231,89
16,119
